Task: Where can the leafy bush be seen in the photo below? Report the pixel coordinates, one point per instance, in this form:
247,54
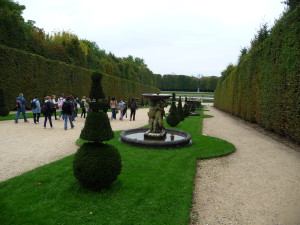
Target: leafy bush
97,165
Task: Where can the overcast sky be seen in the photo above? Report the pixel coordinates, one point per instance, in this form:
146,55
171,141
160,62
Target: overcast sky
188,37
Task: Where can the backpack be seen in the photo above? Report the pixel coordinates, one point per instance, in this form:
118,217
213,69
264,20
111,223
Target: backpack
19,104
33,104
44,109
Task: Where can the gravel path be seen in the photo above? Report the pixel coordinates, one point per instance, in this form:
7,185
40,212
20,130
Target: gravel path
25,146
257,184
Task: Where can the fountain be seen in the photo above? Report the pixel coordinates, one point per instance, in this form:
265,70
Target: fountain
156,136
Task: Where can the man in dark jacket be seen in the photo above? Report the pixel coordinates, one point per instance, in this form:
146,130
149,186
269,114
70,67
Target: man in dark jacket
68,109
21,102
133,107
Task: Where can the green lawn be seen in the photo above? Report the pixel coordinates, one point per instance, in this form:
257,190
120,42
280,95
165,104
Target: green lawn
154,187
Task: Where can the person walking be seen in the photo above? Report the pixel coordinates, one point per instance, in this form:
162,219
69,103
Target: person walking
83,107
133,107
53,105
60,103
21,103
47,111
87,105
36,109
68,110
121,107
113,106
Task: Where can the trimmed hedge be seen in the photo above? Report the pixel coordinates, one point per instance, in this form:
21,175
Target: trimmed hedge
34,75
265,86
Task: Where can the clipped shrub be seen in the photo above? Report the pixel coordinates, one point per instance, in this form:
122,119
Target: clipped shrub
96,165
180,110
97,128
4,109
186,110
173,118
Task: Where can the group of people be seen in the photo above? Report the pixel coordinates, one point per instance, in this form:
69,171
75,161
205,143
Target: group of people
121,107
68,108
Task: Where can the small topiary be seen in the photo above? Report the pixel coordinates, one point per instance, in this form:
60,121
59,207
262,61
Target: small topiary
4,109
186,110
97,165
173,118
180,110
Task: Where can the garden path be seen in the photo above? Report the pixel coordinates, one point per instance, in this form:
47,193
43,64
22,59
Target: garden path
257,184
25,146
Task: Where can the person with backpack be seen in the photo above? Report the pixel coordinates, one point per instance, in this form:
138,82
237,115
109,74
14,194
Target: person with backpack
47,111
20,103
133,107
68,110
36,109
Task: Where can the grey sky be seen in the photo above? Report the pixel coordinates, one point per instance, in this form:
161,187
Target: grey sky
187,37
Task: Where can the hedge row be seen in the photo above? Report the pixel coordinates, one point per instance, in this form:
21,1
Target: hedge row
265,86
34,75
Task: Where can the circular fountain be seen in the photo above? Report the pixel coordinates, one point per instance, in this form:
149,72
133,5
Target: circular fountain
156,136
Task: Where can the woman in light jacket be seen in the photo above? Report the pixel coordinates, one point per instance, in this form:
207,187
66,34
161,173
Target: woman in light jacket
37,110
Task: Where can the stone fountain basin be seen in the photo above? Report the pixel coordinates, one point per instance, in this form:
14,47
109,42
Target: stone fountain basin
181,139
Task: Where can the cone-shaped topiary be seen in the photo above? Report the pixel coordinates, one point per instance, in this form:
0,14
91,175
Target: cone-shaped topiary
97,128
4,109
96,89
180,110
186,110
97,165
173,118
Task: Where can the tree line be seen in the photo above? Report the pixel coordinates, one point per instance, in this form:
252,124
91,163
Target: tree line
186,83
67,47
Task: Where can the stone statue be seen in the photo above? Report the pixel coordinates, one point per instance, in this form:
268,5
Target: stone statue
156,114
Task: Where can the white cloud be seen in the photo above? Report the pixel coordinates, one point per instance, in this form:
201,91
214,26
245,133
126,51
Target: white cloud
186,37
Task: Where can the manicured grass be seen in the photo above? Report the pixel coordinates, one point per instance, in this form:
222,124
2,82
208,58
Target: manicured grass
154,187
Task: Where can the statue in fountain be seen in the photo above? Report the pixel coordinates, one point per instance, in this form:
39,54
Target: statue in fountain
156,115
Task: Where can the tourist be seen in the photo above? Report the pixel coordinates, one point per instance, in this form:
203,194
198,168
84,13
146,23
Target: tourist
87,105
36,109
82,105
133,107
60,103
21,103
113,106
68,110
121,107
53,105
47,111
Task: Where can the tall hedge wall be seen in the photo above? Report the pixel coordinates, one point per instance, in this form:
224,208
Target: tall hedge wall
34,75
265,85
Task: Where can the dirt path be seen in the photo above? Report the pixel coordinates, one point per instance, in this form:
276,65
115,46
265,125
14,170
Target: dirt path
257,184
25,146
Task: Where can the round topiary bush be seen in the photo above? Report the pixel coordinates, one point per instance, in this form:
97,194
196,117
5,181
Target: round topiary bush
96,165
